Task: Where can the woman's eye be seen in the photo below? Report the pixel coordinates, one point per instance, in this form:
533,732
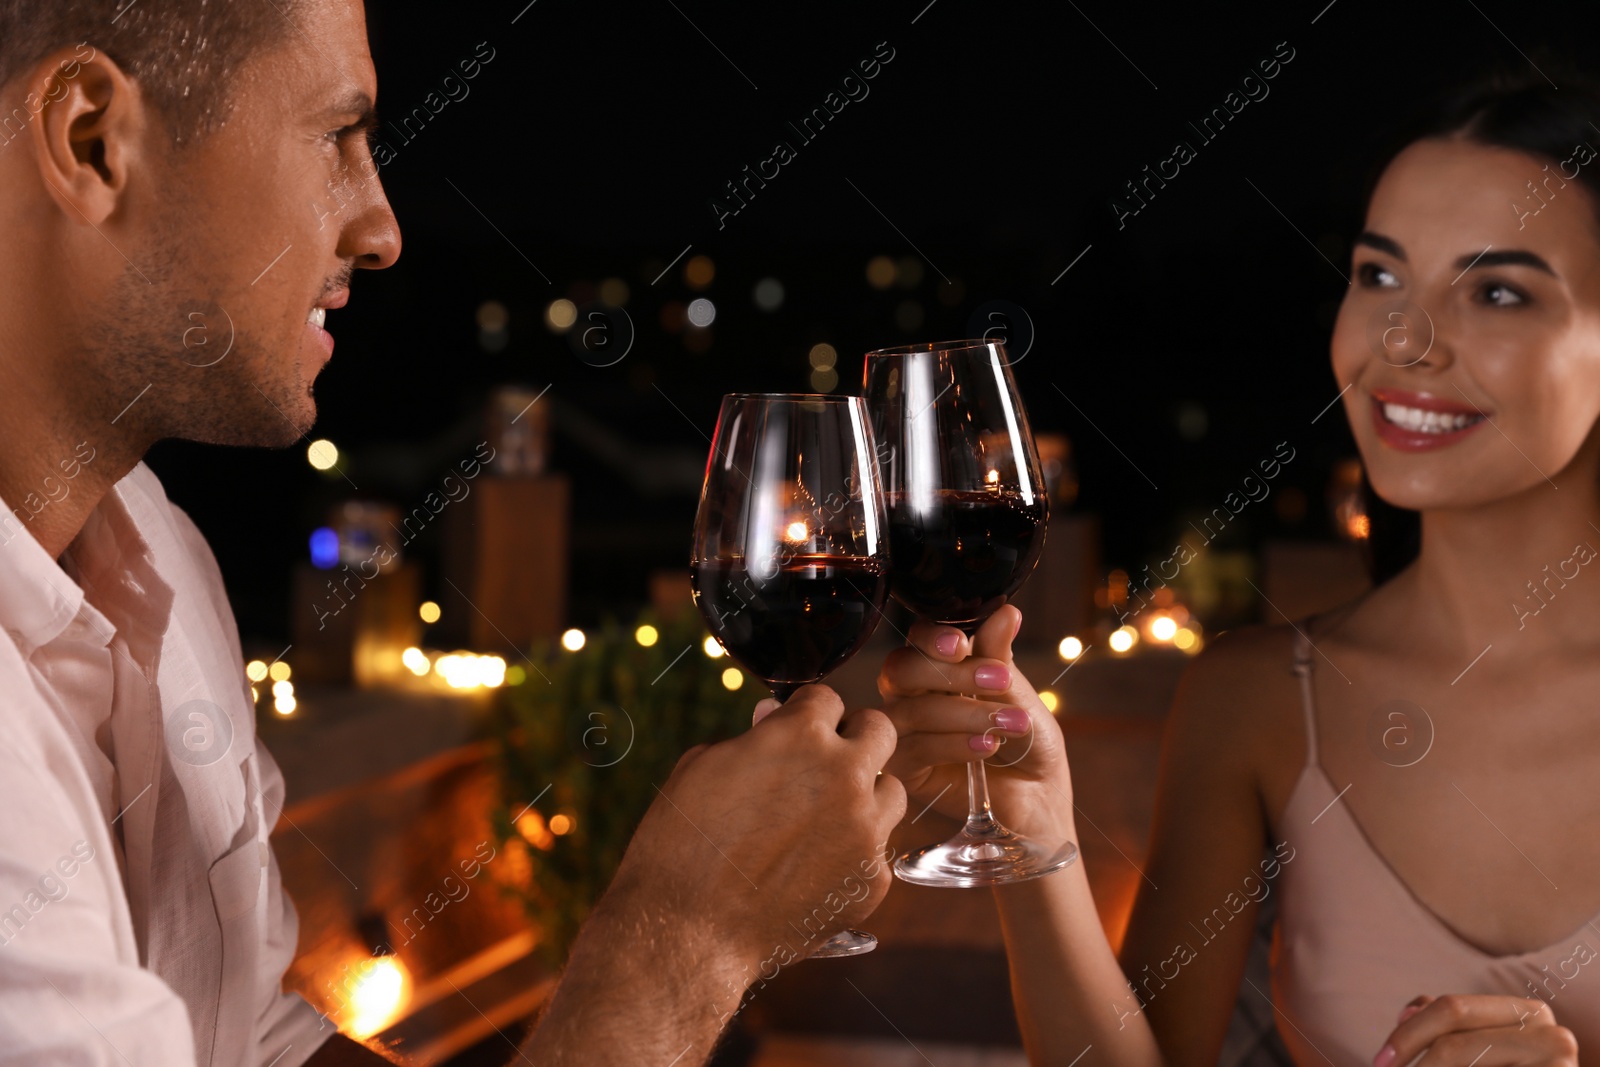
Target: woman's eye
1501,295
1373,276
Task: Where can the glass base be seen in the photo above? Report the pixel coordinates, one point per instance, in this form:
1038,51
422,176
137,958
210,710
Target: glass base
983,855
845,943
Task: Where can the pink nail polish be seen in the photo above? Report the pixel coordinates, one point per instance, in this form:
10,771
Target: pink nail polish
947,644
981,743
1385,1057
1013,720
992,677
1408,1012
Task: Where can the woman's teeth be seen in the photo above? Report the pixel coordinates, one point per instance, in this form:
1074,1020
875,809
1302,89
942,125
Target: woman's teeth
1418,420
318,317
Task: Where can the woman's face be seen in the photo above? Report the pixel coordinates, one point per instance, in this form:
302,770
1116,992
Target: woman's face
1468,342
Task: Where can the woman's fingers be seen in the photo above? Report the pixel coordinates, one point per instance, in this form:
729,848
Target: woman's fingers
909,671
916,754
1450,1025
939,713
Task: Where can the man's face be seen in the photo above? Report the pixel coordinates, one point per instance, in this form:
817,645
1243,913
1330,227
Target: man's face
256,229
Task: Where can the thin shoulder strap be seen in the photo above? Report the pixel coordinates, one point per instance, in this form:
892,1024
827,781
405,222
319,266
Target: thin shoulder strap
1302,667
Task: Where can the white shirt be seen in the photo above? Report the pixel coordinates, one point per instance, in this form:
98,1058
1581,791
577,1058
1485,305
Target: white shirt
142,917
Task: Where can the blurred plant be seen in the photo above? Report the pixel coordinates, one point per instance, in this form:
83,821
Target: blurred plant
592,744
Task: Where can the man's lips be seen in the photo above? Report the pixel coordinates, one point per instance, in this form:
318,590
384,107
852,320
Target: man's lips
1418,422
316,320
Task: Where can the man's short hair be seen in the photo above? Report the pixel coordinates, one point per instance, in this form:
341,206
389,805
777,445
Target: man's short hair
182,53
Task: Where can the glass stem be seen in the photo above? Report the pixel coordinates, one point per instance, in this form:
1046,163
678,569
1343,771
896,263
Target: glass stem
980,821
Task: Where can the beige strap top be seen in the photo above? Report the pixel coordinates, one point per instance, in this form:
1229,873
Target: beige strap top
1353,944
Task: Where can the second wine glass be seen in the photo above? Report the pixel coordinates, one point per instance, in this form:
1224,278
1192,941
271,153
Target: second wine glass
967,517
791,565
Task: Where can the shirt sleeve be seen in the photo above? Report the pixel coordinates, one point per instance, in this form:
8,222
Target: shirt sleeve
71,991
288,1027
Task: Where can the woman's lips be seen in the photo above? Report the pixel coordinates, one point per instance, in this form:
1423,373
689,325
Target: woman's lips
1420,422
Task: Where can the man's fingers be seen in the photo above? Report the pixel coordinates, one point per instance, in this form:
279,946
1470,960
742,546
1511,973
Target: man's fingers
811,700
871,731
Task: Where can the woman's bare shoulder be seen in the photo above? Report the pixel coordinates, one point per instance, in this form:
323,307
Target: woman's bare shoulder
1238,697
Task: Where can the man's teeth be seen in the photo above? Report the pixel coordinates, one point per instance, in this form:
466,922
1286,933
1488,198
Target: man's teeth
1419,421
318,317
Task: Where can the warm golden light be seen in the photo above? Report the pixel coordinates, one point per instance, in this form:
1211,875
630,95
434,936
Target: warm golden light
1186,639
823,356
573,640
465,670
284,705
880,272
1123,638
1359,527
732,678
560,314
377,996
1163,628
698,272
1070,648
279,671
530,824
515,675
416,661
560,824
256,671
283,688
322,454
647,635
993,477
429,612
713,647
1049,700
797,531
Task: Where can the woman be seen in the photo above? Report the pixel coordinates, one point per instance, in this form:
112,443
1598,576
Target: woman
1445,904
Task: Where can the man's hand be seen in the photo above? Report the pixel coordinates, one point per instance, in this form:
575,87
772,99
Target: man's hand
756,850
776,835
1490,1031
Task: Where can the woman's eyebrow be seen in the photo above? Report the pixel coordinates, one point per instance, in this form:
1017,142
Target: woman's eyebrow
1510,257
1382,244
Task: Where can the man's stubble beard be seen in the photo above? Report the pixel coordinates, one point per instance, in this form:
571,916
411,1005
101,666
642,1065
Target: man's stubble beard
164,333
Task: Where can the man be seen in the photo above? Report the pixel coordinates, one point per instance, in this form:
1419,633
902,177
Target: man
163,276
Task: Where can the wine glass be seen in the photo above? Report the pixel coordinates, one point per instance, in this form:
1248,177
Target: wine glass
967,517
791,565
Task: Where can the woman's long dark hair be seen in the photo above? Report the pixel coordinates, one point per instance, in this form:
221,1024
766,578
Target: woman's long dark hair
1518,109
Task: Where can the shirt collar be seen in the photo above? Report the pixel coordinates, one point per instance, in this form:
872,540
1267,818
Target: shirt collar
110,561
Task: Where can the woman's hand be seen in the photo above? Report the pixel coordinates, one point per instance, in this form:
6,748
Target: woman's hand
941,730
1483,1030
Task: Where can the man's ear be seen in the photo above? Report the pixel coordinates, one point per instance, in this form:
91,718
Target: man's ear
90,131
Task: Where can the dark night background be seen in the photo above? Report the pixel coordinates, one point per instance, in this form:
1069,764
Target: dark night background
995,139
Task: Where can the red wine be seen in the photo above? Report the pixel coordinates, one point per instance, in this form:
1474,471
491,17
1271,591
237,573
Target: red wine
958,560
791,628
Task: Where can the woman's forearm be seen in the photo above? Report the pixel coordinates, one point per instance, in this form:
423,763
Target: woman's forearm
1069,991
